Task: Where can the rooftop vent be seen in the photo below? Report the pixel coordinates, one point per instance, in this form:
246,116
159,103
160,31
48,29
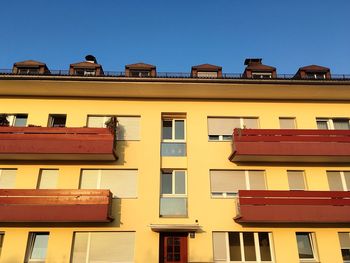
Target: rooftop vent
91,59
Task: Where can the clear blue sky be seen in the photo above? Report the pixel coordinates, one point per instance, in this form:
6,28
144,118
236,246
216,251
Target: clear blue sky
174,35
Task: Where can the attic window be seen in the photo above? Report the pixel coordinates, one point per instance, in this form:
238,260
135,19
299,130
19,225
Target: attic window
85,72
28,71
261,75
140,73
315,75
207,74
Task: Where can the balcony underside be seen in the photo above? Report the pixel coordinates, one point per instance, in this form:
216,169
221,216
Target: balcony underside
253,145
293,207
41,143
38,205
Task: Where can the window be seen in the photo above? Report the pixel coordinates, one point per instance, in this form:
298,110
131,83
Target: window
221,128
296,180
122,183
57,120
2,235
7,178
173,200
85,72
47,179
173,135
242,247
227,183
207,74
287,123
306,246
315,75
333,124
103,247
17,120
37,247
28,71
344,239
140,73
338,180
128,127
261,75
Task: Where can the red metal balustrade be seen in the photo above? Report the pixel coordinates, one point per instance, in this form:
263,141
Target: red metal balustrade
261,206
47,143
283,145
42,205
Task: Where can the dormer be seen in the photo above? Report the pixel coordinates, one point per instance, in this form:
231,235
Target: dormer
89,67
140,70
206,71
30,67
256,70
313,72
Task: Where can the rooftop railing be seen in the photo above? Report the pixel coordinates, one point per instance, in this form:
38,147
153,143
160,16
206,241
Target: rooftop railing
170,75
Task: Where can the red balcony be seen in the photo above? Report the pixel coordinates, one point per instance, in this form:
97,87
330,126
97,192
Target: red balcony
42,143
260,145
38,205
259,206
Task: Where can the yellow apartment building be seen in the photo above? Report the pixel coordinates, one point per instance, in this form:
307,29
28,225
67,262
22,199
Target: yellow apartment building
141,166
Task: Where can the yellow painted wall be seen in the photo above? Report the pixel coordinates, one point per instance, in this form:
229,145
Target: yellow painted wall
144,155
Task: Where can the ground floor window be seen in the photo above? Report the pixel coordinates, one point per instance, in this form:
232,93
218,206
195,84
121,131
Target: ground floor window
37,247
104,247
306,246
242,247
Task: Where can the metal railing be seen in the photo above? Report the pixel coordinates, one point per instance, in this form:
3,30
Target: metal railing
170,75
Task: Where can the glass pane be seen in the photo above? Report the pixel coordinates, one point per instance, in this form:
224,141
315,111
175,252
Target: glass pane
304,245
179,129
39,246
173,206
264,245
249,247
167,184
180,182
322,125
167,130
345,252
173,149
235,247
341,124
21,120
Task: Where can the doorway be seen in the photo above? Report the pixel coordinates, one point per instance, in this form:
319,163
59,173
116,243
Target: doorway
173,247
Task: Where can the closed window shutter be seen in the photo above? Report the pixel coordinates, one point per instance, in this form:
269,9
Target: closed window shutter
344,239
122,183
334,181
347,179
287,123
222,126
128,128
48,179
103,247
219,245
257,180
296,180
97,121
89,179
227,181
250,123
7,178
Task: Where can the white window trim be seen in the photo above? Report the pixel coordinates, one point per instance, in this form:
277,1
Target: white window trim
256,246
11,118
342,178
30,247
173,195
173,131
312,237
330,124
234,195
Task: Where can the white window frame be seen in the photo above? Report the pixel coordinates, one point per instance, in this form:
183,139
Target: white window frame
30,247
329,121
173,130
262,74
173,194
235,194
312,238
256,246
11,118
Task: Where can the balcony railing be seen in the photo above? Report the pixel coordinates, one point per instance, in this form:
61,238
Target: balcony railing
274,145
43,143
172,75
39,205
260,206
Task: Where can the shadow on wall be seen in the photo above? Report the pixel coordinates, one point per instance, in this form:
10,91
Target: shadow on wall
121,145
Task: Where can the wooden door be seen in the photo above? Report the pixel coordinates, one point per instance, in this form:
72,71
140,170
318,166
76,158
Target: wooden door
173,248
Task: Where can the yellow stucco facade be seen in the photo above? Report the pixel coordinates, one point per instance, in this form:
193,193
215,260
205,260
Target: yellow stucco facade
137,214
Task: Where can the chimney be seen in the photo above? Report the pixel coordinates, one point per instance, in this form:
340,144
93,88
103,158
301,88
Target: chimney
90,59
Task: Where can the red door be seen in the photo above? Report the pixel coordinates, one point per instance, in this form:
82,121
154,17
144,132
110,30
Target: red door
173,248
